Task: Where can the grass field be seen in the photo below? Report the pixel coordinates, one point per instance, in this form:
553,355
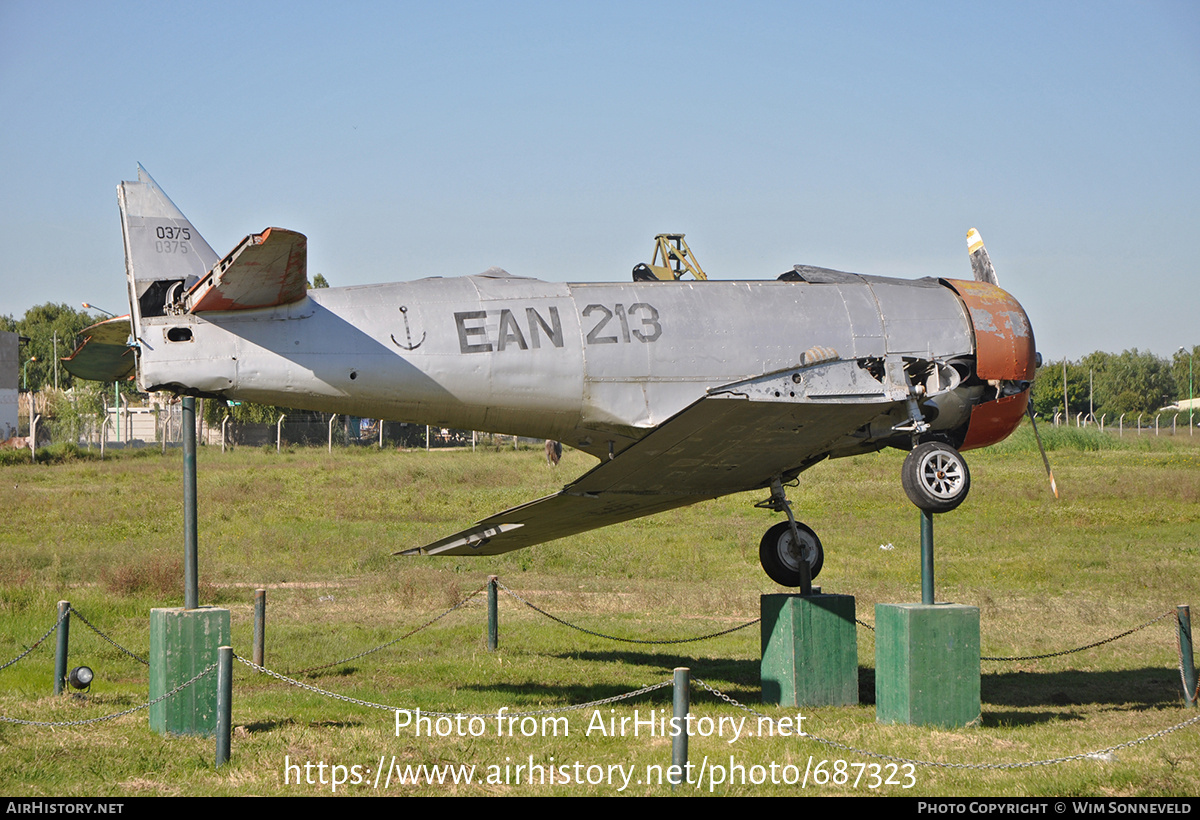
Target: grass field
318,531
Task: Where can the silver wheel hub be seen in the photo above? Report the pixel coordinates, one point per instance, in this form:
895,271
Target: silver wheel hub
942,475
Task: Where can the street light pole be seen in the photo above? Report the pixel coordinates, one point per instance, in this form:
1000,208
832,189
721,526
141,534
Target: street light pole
100,309
1191,389
25,373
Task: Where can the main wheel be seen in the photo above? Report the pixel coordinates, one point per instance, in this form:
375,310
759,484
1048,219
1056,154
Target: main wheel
935,477
781,557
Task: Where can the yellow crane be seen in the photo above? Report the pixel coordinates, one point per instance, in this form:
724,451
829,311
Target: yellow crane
677,259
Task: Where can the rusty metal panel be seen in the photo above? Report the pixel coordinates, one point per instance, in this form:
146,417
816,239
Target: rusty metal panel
993,421
1003,335
265,269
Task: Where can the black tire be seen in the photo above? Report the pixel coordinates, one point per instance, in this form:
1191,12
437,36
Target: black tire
781,561
935,477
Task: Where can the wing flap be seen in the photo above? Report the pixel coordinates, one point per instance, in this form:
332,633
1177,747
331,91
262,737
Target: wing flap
264,270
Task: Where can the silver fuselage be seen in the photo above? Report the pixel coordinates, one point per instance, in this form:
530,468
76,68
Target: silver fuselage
586,364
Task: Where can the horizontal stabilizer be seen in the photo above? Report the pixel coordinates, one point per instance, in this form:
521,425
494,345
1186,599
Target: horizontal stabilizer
264,270
105,354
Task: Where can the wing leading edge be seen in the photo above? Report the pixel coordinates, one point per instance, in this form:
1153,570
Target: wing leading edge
727,442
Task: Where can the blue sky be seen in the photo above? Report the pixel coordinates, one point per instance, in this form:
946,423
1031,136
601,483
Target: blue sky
555,140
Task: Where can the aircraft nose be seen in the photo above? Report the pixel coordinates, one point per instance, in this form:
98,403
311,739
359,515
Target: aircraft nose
1004,349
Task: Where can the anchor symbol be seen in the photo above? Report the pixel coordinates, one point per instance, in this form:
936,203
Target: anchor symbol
407,333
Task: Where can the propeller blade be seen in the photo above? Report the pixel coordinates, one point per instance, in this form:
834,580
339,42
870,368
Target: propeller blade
981,263
1037,435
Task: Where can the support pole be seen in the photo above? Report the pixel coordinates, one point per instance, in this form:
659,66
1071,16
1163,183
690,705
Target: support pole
260,626
224,702
60,651
926,557
191,595
1184,618
679,744
493,616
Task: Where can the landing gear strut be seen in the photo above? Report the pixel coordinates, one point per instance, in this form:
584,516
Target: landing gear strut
790,552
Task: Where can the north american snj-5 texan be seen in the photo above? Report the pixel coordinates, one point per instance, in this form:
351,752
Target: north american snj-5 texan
684,390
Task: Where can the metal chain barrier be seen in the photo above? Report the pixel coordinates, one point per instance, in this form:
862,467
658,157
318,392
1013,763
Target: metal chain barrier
140,660
976,766
1065,651
616,638
36,643
371,705
115,715
409,634
1082,648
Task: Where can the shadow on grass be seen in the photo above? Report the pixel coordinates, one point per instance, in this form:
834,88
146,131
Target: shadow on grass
736,678
1126,689
1122,690
272,725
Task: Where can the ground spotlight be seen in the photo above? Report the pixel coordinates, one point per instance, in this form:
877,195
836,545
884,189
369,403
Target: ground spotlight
81,677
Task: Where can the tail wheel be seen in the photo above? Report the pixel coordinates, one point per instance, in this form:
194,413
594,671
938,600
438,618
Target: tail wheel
935,477
780,555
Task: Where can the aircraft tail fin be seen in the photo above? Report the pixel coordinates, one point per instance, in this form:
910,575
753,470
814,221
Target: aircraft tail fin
164,253
171,269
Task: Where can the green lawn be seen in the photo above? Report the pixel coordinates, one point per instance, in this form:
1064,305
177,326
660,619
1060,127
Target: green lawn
318,531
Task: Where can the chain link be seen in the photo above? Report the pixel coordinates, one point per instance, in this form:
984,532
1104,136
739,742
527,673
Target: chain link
1082,648
36,643
976,766
115,715
372,705
1065,651
409,634
140,660
586,631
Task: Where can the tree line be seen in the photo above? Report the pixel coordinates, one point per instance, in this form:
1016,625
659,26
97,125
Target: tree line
1129,382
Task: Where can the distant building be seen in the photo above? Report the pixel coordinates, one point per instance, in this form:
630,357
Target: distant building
10,366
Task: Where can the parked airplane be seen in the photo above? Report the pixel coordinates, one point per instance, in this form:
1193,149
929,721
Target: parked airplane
685,390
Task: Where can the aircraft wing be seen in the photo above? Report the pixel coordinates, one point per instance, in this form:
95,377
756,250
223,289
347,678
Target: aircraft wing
265,269
725,443
105,354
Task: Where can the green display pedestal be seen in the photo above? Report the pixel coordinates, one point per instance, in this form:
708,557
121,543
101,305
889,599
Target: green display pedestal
809,650
183,643
927,664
